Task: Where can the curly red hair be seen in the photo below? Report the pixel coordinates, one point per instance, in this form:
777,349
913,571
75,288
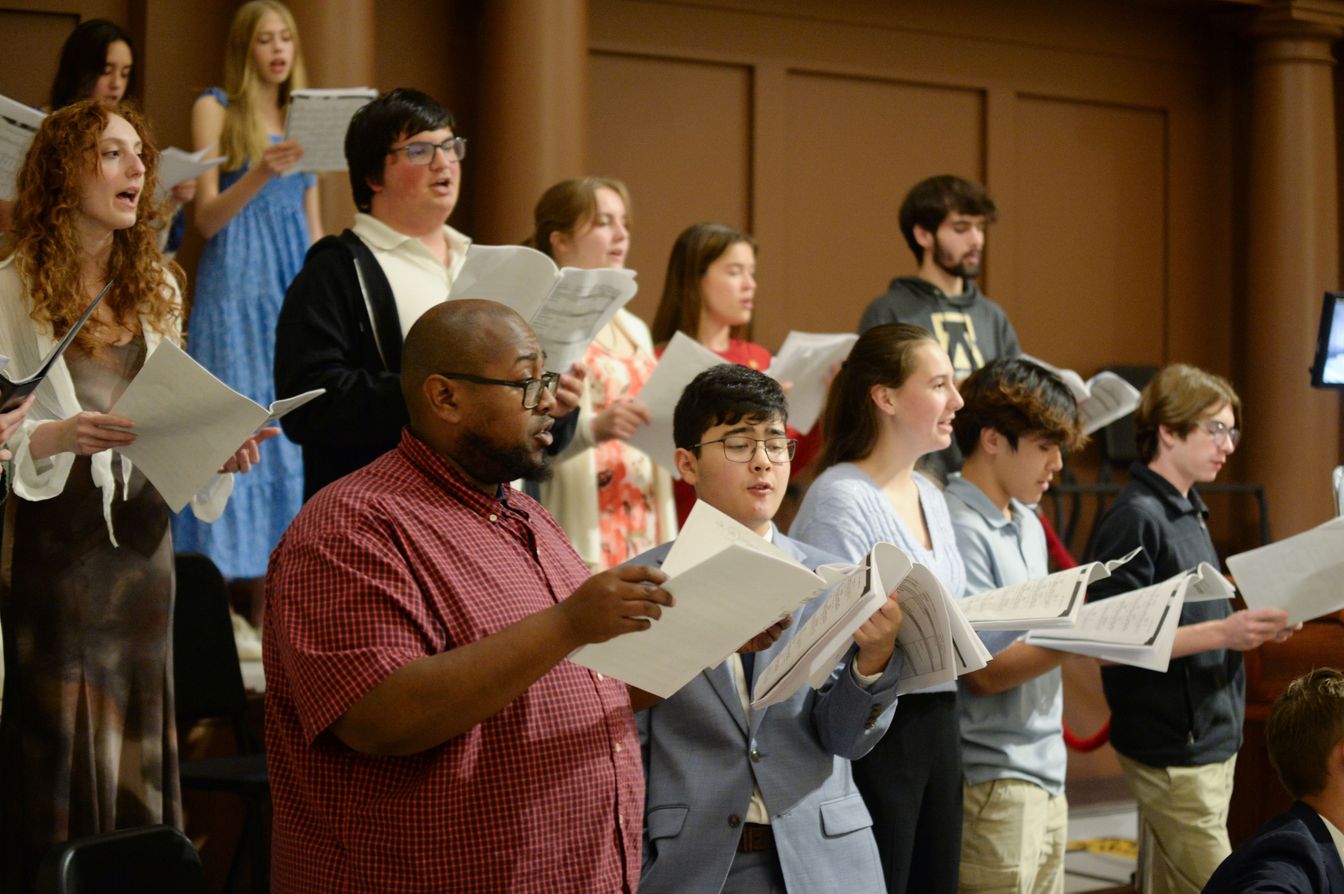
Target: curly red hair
44,237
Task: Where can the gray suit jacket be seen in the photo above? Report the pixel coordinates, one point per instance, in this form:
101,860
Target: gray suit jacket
702,753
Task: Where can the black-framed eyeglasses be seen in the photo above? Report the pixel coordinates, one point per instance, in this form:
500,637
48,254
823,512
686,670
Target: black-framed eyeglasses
421,152
741,449
532,388
1221,434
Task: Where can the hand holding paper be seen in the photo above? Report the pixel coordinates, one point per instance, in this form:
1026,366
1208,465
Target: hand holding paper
625,599
188,423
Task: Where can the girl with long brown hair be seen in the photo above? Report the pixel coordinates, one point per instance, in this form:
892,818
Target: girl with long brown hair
892,403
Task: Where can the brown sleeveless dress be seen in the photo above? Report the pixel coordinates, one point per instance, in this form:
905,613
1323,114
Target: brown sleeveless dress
87,737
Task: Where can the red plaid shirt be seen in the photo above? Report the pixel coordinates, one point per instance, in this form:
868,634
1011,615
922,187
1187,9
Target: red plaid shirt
401,560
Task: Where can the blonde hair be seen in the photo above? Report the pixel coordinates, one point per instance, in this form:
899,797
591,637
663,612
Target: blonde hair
244,138
1178,397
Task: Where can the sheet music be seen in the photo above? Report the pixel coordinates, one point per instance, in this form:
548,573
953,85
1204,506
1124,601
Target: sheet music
177,166
582,302
1301,574
187,422
722,603
805,359
708,531
1109,398
1207,585
1050,601
1102,399
1136,628
515,275
684,359
566,308
18,125
318,120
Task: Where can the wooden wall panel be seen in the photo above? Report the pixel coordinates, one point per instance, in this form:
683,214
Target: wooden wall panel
679,134
1090,215
855,146
44,32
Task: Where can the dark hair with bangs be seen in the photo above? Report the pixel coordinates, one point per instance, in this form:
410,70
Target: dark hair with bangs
1016,398
393,116
725,395
929,202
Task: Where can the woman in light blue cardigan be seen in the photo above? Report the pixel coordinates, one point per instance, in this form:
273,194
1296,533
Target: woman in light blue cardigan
892,403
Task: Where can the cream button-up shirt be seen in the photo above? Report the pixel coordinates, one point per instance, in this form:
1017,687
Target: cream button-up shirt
418,279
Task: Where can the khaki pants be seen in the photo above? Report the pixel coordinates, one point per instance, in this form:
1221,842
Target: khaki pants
1013,837
1182,823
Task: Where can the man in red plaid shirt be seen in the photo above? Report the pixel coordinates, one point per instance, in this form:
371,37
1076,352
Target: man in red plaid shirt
424,731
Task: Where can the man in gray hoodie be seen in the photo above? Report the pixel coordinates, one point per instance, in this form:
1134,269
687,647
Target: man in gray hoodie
944,220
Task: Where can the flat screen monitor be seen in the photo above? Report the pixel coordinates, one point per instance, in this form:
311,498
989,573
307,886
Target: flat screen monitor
1327,370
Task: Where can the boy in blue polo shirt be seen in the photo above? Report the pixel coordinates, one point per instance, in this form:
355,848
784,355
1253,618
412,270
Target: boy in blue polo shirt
1017,420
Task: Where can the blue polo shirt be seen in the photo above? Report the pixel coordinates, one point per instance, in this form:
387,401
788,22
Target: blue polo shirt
1016,734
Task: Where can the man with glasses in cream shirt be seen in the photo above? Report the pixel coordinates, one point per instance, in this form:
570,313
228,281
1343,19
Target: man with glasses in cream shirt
347,313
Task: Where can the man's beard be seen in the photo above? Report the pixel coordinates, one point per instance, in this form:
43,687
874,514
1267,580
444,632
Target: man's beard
493,464
943,258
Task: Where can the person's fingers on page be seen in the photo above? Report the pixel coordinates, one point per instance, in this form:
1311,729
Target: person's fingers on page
89,433
10,421
621,600
5,455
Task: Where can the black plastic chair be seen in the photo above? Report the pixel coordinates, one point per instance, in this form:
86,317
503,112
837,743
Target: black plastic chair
147,860
209,684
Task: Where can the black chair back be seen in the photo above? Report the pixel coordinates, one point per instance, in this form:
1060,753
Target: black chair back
206,674
147,860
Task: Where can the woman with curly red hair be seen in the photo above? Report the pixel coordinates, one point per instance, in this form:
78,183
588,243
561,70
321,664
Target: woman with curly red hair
87,737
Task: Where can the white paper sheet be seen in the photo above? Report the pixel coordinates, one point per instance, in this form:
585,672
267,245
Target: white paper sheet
566,307
805,359
1136,628
178,165
708,531
1102,399
684,359
188,423
1302,573
318,119
722,603
811,654
1050,601
18,125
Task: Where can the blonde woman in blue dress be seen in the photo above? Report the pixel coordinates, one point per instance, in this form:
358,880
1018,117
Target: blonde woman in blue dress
259,223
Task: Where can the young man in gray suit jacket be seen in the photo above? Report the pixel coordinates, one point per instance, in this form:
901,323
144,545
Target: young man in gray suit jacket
740,800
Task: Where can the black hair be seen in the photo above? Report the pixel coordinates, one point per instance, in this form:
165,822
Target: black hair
375,127
1016,398
725,395
83,57
930,201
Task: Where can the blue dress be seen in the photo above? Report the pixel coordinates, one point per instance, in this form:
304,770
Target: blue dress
241,281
